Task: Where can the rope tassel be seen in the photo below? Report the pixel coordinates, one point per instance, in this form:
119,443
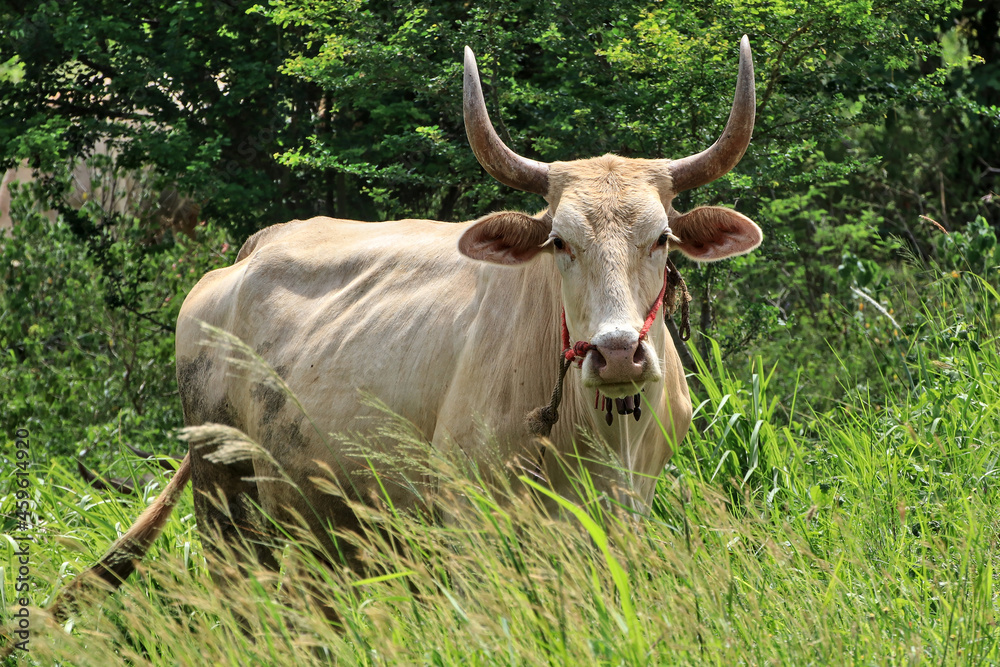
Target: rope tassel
541,420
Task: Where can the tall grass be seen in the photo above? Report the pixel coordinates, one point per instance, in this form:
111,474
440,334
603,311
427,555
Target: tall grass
865,534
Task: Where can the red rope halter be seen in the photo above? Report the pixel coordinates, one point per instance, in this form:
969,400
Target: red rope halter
577,351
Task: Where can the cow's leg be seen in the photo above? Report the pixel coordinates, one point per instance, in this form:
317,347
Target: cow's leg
315,521
233,531
226,502
226,496
312,515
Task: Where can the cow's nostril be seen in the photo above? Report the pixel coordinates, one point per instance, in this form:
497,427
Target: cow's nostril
620,360
639,358
600,363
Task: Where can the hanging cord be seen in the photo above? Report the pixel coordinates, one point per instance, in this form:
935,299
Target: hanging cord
541,420
676,282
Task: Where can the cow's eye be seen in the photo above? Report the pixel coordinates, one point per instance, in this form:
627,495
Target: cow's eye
662,241
558,243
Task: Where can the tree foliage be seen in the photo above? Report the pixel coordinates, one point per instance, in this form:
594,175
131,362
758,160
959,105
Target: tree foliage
190,89
874,119
86,330
839,86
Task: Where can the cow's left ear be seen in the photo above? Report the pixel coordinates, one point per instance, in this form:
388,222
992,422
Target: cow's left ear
711,233
505,237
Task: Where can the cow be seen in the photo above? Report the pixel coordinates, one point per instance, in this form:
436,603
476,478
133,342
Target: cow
459,328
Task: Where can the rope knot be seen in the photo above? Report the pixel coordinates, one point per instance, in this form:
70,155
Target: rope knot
541,420
677,284
578,351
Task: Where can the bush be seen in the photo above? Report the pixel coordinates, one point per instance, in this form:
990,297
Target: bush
86,329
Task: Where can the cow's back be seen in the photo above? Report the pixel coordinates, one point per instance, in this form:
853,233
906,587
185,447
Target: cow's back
341,311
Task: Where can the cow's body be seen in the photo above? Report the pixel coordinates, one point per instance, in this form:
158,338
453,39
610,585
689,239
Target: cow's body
461,349
457,328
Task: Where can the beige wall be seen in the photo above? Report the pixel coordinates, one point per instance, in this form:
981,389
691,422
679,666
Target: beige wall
117,192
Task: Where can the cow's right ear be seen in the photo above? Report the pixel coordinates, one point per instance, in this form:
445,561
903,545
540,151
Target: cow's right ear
505,237
711,233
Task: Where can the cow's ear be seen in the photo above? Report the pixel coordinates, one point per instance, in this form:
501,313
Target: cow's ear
711,233
505,237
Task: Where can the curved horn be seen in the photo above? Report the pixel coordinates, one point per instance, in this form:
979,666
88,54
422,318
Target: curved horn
501,162
120,484
168,463
725,153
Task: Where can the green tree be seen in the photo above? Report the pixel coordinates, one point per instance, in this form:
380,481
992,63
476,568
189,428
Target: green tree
870,113
86,330
567,80
190,89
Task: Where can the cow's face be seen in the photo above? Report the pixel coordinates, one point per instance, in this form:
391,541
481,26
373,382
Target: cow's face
609,227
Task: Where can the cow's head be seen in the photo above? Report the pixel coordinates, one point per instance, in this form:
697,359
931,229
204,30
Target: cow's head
609,224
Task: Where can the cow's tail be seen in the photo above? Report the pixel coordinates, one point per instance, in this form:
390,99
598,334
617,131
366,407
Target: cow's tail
121,559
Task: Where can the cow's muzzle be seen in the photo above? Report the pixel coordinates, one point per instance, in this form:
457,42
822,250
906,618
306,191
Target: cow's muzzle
618,362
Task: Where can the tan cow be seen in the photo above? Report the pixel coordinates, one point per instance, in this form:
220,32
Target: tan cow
458,329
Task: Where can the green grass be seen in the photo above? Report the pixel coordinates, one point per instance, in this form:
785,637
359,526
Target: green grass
866,534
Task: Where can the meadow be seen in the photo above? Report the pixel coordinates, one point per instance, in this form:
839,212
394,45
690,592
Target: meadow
865,533
835,499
